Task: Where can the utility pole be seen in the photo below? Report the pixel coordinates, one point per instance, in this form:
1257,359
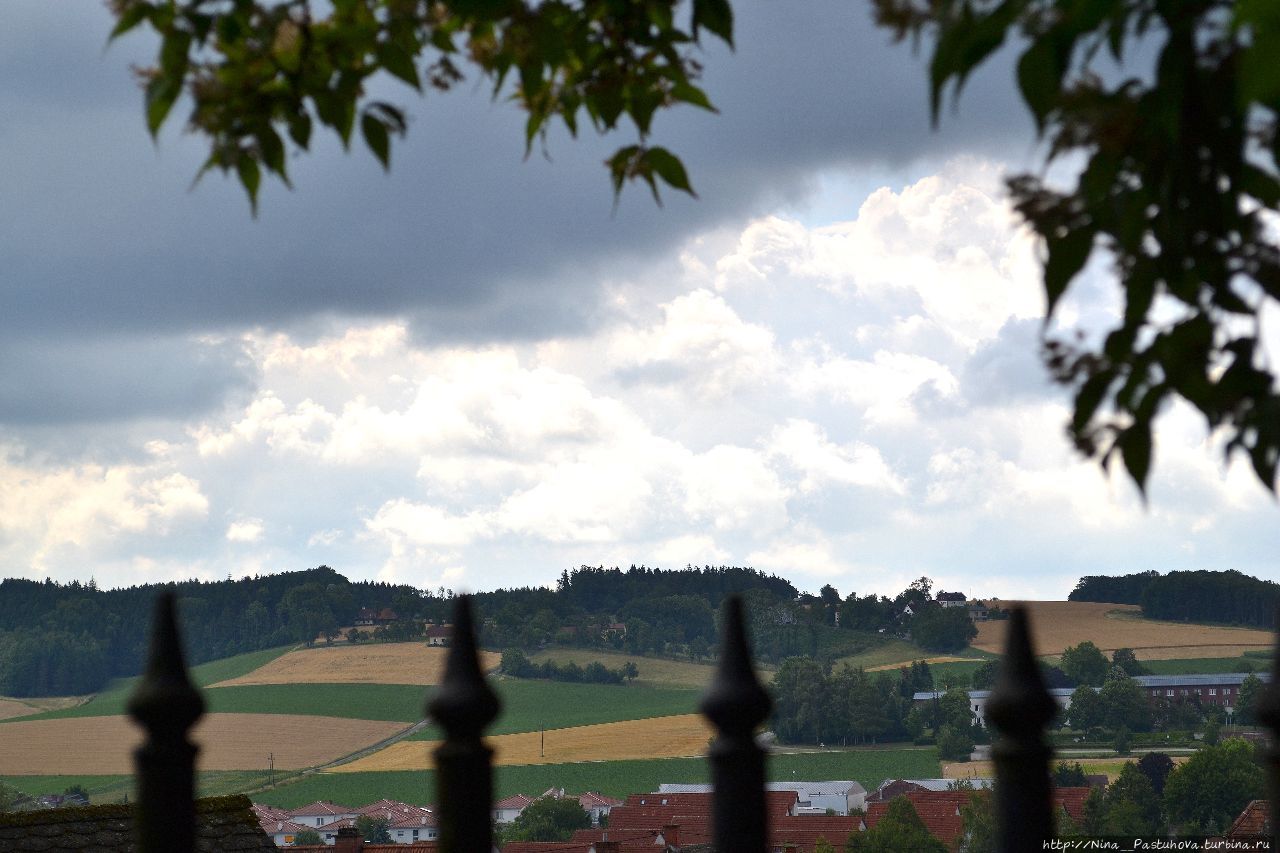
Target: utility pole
542,746
271,761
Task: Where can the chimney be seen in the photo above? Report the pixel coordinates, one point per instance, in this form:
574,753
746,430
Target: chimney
671,835
349,840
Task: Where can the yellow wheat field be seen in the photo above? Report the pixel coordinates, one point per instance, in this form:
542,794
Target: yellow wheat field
658,737
1058,624
389,663
987,770
104,745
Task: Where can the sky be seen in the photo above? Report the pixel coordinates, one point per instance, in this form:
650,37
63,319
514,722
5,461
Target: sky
474,372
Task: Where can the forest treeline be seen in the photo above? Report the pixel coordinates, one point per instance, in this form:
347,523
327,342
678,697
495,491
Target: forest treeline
61,639
64,639
1196,596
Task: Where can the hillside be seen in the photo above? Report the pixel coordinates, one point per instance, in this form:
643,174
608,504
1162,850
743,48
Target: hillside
1055,625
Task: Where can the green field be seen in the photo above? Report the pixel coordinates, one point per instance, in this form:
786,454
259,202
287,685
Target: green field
530,704
615,778
114,789
1192,666
115,696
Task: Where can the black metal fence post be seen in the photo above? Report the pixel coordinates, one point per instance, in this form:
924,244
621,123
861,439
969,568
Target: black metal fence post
1021,709
1268,713
464,707
736,703
166,705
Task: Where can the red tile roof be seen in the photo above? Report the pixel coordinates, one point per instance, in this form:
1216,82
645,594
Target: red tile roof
516,801
591,799
940,810
320,807
273,826
1253,822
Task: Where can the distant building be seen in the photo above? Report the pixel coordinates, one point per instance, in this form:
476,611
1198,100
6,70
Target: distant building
840,797
951,599
508,809
439,635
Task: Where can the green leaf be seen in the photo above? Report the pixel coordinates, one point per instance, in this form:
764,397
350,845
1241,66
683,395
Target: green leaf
174,53
1040,78
251,178
1067,254
715,15
273,152
669,168
397,61
135,13
1135,450
1090,396
161,92
300,128
691,94
377,138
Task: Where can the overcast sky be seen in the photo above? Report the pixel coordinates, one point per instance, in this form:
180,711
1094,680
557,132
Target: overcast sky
474,373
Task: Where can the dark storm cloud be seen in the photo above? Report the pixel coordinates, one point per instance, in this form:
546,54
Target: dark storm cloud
68,381
100,235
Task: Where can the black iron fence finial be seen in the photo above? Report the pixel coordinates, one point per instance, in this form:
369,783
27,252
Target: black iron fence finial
1021,709
464,707
166,705
736,704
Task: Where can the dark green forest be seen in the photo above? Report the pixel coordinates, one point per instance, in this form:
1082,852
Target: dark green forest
1228,597
62,639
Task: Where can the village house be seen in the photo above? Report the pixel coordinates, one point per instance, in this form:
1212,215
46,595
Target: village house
951,599
594,804
940,810
439,635
320,813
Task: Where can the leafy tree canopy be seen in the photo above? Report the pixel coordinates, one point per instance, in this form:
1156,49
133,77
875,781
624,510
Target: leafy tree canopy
1213,786
899,831
549,819
1085,664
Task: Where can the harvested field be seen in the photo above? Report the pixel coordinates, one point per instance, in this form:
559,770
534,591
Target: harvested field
932,660
657,737
987,770
104,745
383,663
1058,624
10,708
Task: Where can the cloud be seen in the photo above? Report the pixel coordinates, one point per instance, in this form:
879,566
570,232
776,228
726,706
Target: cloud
245,530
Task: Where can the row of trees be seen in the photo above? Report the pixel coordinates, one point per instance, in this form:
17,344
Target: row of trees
1199,596
517,665
72,638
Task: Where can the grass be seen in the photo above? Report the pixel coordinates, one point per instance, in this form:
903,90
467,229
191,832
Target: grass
1192,666
615,778
654,672
529,704
114,789
113,699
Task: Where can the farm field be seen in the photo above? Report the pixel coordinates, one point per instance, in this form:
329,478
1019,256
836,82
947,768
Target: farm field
1248,662
1058,624
895,653
115,788
986,770
614,778
378,663
656,737
112,700
10,708
103,745
530,704
654,672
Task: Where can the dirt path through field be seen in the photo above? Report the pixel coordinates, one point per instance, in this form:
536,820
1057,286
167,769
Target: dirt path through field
104,745
381,663
658,737
1058,624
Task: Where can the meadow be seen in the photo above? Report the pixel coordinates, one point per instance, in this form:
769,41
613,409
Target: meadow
654,672
614,778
